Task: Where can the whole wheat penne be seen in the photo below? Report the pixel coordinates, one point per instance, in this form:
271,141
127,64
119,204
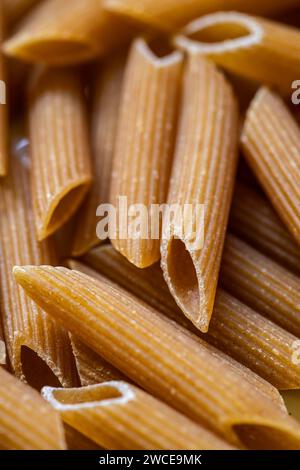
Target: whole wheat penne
15,9
27,422
38,349
235,329
270,142
252,47
254,341
169,14
106,101
160,356
77,441
117,416
203,174
254,220
92,369
61,170
262,284
144,147
67,32
3,100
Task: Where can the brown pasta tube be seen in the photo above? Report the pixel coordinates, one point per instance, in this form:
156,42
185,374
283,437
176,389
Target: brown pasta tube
61,168
67,32
203,176
144,148
117,416
38,349
161,356
170,14
27,422
271,144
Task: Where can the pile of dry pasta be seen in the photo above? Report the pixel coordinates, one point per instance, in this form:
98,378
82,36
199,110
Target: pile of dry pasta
143,342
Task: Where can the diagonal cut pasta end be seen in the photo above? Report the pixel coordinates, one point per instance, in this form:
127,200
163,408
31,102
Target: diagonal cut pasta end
185,281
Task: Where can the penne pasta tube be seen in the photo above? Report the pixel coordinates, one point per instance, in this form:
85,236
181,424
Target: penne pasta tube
38,349
262,284
254,220
3,101
91,368
254,341
68,32
15,9
270,141
254,48
61,171
144,148
27,422
119,416
202,178
233,328
161,357
170,14
106,101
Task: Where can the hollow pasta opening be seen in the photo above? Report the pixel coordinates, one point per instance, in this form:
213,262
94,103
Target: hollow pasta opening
183,276
292,401
63,208
220,32
56,51
93,394
36,372
160,46
264,437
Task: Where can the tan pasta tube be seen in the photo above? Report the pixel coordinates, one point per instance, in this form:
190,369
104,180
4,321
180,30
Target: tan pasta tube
106,100
117,416
161,357
254,341
61,171
203,174
3,102
271,144
262,284
92,369
254,220
232,328
15,9
27,422
252,47
169,14
144,148
38,349
66,32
